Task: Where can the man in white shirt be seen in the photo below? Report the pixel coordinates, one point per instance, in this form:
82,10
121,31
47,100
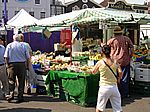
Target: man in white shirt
76,41
16,56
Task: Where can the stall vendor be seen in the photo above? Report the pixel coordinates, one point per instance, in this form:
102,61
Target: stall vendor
76,40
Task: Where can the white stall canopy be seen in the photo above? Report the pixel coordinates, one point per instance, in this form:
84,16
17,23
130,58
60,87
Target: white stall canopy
21,19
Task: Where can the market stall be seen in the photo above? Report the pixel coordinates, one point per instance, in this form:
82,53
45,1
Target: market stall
66,76
21,19
140,69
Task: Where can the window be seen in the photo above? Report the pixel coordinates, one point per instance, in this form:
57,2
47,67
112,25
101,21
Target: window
75,8
3,13
142,11
16,12
84,1
3,0
56,10
53,2
37,1
42,15
59,10
84,6
31,13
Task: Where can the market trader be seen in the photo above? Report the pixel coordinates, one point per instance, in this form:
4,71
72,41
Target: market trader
3,75
16,55
76,40
122,50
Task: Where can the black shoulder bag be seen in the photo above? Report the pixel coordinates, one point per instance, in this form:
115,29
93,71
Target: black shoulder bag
111,70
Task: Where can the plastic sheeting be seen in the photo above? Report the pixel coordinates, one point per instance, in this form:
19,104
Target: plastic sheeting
37,42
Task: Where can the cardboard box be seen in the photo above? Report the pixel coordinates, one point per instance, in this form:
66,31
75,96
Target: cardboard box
58,47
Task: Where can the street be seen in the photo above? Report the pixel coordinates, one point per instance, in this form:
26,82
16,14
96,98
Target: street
44,103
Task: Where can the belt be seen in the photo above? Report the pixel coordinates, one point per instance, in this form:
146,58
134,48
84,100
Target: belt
15,62
1,64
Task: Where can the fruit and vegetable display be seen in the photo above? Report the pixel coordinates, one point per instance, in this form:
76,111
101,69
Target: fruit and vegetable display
79,63
142,55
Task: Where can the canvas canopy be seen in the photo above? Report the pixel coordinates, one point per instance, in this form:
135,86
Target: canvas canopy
106,14
92,16
56,23
59,19
21,19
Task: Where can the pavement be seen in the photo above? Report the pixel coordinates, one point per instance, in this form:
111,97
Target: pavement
44,103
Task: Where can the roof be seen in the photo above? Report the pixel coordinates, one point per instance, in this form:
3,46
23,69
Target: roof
59,19
92,16
73,1
107,14
140,2
136,2
104,3
22,18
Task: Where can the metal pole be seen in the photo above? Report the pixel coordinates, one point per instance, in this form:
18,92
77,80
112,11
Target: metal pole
5,21
5,12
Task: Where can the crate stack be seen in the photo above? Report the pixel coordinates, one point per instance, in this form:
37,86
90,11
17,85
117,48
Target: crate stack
141,83
41,77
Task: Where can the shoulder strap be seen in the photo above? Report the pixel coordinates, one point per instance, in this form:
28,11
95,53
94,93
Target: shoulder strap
110,69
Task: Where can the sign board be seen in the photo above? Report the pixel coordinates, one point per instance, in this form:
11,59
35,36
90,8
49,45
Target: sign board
121,5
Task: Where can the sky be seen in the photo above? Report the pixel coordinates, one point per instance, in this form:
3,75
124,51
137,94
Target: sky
128,1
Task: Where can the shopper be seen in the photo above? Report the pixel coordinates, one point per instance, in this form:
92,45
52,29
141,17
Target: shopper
121,50
31,76
4,91
108,82
16,56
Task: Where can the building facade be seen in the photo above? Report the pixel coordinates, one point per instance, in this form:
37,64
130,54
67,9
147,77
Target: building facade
37,8
137,6
81,4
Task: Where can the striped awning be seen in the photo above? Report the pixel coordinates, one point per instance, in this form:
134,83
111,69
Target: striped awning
93,16
105,15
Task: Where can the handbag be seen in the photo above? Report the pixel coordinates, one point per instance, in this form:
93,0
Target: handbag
111,70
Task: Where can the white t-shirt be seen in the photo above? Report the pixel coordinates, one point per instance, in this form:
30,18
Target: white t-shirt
76,46
76,43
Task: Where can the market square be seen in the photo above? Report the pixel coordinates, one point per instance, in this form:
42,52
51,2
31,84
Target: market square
75,56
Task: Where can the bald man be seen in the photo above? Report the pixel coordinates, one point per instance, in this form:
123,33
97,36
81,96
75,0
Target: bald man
16,56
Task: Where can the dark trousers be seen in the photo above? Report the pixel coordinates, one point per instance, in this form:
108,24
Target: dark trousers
124,83
17,69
